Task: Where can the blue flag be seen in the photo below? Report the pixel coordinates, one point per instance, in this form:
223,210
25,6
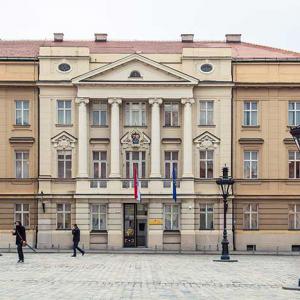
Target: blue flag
174,184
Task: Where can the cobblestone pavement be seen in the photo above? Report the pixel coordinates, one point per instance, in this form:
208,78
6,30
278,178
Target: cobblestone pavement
147,276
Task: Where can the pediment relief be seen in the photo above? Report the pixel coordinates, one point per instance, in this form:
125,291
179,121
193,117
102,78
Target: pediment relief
135,139
64,141
122,70
206,140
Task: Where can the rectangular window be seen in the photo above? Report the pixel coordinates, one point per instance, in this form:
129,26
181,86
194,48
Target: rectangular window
64,112
206,216
136,159
135,114
22,112
294,113
206,112
206,164
22,164
250,113
171,161
22,214
251,216
171,111
294,216
100,164
250,164
294,164
171,215
98,216
64,160
99,113
63,215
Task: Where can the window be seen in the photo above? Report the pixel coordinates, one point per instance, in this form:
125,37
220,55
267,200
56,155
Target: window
250,113
206,216
64,67
99,164
206,68
135,114
206,164
22,164
136,159
22,214
250,164
63,216
98,216
22,112
135,74
171,114
251,216
171,217
294,164
294,216
171,161
64,159
64,110
206,112
294,113
99,113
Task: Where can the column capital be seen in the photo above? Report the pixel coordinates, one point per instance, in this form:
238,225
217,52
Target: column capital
114,101
155,101
82,100
188,101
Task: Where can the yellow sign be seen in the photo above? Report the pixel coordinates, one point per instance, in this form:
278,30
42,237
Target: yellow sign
155,221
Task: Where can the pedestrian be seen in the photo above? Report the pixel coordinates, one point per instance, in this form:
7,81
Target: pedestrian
20,234
76,239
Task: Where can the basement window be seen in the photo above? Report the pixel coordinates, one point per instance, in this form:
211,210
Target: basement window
295,248
251,247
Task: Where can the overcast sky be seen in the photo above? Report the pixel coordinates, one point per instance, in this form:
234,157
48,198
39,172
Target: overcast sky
269,22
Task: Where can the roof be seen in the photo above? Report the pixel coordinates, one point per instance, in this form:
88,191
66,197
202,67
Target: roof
30,48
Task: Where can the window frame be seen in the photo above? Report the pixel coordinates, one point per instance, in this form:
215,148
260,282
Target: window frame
206,110
172,104
64,212
99,110
206,161
294,112
294,161
206,213
24,162
64,109
172,216
251,163
251,111
171,162
64,153
98,213
294,213
250,213
140,162
142,111
22,212
100,161
22,110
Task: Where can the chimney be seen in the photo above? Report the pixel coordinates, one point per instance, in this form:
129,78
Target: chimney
187,38
58,37
233,38
100,37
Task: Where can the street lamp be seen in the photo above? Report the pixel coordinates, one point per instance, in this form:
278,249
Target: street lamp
225,183
295,132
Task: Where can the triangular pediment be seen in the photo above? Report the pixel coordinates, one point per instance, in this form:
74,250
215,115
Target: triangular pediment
122,71
206,140
135,139
63,141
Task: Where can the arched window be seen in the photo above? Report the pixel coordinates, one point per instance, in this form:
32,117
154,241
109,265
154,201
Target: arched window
135,74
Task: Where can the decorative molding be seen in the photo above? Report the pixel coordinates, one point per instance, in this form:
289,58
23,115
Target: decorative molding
21,140
64,141
155,101
135,139
187,101
82,101
99,141
171,141
251,141
206,140
289,141
115,101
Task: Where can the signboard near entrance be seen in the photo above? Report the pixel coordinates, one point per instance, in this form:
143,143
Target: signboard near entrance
155,222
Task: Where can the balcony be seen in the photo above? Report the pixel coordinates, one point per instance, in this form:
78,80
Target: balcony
127,184
98,183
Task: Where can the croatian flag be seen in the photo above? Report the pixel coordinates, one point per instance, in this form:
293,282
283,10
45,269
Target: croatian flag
174,184
136,184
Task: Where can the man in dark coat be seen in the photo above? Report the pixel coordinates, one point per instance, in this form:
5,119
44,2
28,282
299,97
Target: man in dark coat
76,239
20,234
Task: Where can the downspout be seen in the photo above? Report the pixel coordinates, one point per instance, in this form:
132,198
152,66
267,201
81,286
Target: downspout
232,173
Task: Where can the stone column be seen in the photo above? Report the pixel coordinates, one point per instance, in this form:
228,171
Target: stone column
155,138
115,138
187,138
82,137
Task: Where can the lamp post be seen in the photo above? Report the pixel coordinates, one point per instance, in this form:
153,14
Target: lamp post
225,183
295,132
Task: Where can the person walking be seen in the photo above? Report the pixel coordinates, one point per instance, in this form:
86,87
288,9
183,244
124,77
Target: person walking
76,240
20,233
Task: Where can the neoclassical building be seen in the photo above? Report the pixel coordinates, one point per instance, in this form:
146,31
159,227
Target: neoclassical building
106,108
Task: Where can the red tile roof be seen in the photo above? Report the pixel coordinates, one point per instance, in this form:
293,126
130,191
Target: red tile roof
22,49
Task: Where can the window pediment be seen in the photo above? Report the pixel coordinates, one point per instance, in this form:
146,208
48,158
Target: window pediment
206,140
64,141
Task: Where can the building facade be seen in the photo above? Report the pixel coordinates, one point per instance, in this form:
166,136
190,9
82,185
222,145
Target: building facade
102,110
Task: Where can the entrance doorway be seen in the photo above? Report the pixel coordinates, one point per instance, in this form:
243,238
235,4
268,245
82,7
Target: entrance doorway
135,225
